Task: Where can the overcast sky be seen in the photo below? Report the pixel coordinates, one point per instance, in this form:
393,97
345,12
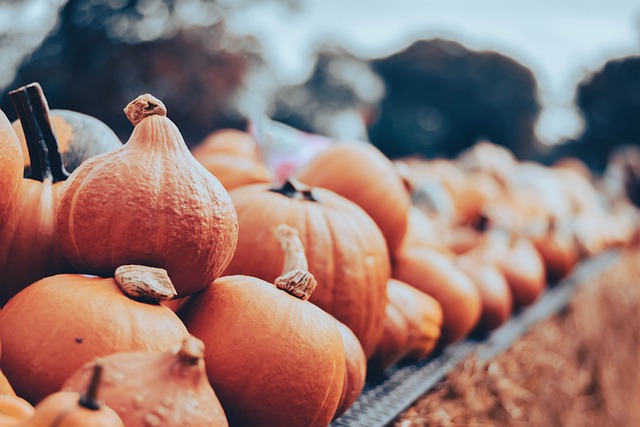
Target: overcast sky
560,40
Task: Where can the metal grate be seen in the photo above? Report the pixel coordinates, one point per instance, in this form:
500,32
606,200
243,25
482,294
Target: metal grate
382,402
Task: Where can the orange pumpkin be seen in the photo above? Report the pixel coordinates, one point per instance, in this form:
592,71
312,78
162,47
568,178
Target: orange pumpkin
437,275
273,358
413,325
10,167
170,388
79,136
362,174
69,409
82,318
346,251
14,411
355,370
30,247
233,157
178,216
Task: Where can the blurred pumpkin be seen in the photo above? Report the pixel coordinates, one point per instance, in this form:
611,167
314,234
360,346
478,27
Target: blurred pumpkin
355,370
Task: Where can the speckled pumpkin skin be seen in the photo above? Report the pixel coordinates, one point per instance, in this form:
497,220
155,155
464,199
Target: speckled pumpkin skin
149,203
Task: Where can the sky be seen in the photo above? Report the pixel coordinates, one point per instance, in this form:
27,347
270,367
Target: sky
560,40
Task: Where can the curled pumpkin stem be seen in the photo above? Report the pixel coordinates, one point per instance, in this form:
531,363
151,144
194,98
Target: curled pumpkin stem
295,279
89,399
144,106
145,284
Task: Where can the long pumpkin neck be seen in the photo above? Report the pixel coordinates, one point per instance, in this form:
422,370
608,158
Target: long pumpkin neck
44,152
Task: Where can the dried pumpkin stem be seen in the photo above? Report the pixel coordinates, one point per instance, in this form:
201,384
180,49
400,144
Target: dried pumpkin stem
144,106
32,108
294,189
89,399
145,284
192,350
295,278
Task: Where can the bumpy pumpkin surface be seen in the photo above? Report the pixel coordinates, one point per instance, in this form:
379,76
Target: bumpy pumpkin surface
53,327
346,251
148,203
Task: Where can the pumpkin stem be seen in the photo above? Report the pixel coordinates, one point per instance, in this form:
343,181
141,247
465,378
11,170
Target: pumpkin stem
89,399
144,106
32,108
295,278
192,350
145,284
294,189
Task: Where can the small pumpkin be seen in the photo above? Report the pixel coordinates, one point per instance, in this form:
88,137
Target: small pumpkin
82,318
169,388
178,215
14,411
345,250
69,409
233,157
415,333
362,174
355,370
79,136
436,274
10,167
558,249
273,358
30,248
497,302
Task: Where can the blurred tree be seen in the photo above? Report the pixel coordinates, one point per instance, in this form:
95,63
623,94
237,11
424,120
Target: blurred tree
441,98
106,52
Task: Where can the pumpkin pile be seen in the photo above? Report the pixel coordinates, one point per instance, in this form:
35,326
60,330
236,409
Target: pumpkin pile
144,285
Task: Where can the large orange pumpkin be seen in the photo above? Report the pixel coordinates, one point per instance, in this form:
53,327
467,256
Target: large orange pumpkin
148,203
362,174
10,167
273,358
30,247
355,370
346,251
56,325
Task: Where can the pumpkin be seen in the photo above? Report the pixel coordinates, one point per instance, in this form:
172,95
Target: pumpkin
69,409
437,275
169,388
10,167
412,327
5,386
345,250
486,157
362,174
558,249
273,358
14,411
233,157
81,318
497,302
178,215
355,370
30,247
79,136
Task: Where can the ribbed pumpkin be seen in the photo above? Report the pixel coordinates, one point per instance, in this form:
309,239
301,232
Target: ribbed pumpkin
10,167
413,324
346,251
148,203
437,275
233,157
273,358
169,388
53,327
80,137
355,370
69,409
362,174
30,248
